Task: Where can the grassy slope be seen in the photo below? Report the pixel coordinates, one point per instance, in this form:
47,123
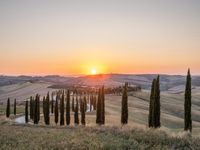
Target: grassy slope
108,137
34,137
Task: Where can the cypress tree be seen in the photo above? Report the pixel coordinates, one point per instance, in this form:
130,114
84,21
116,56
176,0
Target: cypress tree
26,112
44,107
33,104
38,107
83,103
151,103
15,107
94,102
52,104
36,119
76,118
62,109
68,108
156,104
124,111
8,108
73,104
56,110
103,106
99,109
47,118
187,104
157,97
31,108
91,102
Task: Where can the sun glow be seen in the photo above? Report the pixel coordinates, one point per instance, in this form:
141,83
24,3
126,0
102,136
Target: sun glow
93,71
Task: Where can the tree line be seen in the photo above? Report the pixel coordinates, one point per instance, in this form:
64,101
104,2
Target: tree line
64,103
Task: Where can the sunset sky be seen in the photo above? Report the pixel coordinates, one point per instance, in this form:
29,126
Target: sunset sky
40,37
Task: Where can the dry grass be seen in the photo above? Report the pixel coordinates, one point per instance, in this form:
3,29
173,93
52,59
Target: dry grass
104,137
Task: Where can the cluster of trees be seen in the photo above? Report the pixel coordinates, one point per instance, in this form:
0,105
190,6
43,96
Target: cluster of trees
154,105
61,107
8,108
81,102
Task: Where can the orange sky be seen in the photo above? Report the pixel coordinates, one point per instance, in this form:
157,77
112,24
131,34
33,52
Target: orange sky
70,38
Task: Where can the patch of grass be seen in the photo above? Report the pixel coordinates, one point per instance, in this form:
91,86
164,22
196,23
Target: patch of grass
37,137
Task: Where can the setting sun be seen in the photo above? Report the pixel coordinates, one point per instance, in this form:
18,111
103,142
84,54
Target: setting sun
93,71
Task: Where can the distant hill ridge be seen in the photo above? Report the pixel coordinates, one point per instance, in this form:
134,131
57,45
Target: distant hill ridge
168,82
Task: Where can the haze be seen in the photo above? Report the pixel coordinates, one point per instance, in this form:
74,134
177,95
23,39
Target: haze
75,37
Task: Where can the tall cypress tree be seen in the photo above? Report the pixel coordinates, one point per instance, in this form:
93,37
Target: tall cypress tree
52,104
99,109
103,106
187,104
33,104
68,108
31,107
8,108
94,102
62,109
157,98
15,107
56,110
151,103
73,104
76,118
156,104
38,107
35,111
124,111
26,112
46,109
83,103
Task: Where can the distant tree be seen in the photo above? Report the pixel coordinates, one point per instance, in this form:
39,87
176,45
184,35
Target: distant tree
91,102
15,107
85,102
36,109
99,109
26,112
52,104
56,110
47,117
62,109
76,118
82,105
152,98
73,104
8,108
44,107
187,104
157,99
94,102
124,111
103,106
31,107
68,108
156,104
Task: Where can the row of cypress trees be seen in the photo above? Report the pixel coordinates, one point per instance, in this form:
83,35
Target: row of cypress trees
154,106
99,106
